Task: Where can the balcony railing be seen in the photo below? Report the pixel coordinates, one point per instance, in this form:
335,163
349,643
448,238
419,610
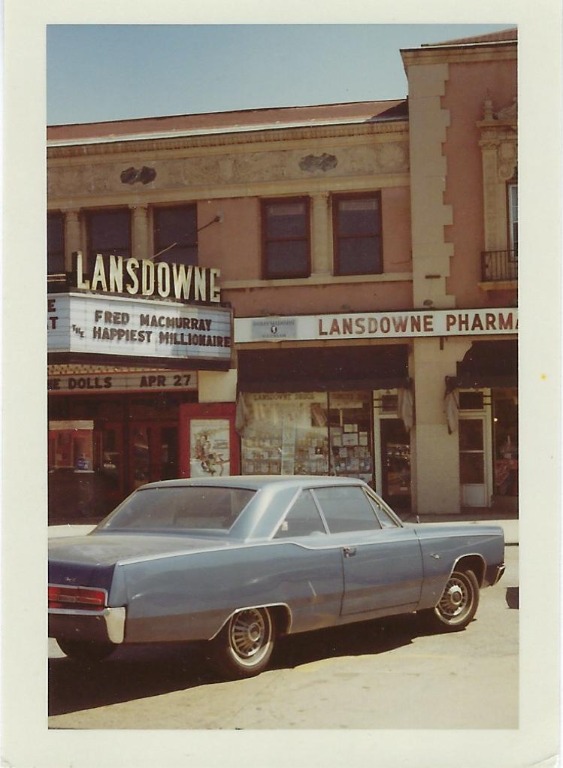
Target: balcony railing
499,266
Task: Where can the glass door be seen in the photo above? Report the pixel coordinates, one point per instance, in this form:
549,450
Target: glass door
472,465
153,452
111,465
396,463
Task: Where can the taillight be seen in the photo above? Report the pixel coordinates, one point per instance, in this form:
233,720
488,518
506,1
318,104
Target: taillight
85,598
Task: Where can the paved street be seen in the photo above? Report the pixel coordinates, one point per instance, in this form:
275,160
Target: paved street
376,675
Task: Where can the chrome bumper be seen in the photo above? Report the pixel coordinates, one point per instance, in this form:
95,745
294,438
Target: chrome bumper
99,626
497,574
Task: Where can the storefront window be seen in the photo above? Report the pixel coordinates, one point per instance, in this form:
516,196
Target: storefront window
350,434
71,445
287,434
505,437
308,433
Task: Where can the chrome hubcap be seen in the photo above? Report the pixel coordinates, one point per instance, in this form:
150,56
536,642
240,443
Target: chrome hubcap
454,600
249,634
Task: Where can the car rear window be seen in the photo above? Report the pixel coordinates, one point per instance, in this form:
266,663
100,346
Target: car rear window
179,509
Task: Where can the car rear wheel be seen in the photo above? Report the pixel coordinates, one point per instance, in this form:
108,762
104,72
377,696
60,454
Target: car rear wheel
458,603
245,644
84,651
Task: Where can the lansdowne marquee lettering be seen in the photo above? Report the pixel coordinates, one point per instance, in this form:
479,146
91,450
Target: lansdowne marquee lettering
144,277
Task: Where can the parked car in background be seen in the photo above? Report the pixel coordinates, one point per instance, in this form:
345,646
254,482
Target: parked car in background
240,561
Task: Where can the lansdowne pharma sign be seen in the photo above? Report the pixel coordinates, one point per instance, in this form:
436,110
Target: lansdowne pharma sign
379,325
121,327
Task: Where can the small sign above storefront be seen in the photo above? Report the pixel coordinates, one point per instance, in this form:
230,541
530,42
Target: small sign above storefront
157,330
142,381
274,328
381,325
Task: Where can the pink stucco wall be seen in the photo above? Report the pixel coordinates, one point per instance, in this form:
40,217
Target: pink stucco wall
234,245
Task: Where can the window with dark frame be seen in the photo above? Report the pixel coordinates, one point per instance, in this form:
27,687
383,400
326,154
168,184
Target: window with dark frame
175,234
109,233
357,234
286,238
55,244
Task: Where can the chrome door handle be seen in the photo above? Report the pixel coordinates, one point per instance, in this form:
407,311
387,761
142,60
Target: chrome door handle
349,551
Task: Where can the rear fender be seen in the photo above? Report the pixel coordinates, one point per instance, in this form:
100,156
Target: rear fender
473,562
281,613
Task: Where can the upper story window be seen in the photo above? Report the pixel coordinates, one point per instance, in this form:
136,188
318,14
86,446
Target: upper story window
286,238
109,233
175,234
357,234
513,216
55,244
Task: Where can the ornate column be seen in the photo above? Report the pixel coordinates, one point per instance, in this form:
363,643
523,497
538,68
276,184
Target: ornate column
499,151
140,241
73,239
321,250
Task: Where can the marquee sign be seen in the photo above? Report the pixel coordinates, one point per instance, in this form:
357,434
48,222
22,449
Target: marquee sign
147,278
159,330
142,381
379,325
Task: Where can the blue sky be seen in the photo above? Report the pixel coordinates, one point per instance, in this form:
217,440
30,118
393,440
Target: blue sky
111,72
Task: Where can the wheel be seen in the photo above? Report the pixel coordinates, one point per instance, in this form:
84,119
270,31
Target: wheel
85,651
459,602
244,646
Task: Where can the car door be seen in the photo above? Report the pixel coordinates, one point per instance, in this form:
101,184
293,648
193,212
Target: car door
307,566
382,566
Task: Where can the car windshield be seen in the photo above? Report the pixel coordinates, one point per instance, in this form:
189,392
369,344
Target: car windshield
178,509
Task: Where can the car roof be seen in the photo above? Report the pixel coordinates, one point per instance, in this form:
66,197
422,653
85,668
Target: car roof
257,482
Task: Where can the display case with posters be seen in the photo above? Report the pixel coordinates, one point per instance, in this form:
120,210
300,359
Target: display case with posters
209,445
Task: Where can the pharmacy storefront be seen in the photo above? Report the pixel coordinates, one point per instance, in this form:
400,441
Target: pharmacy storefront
337,394
127,346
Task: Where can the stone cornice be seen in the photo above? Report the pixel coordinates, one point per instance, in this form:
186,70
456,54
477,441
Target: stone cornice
460,55
263,137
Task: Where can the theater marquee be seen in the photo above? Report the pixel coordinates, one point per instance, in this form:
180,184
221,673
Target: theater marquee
109,326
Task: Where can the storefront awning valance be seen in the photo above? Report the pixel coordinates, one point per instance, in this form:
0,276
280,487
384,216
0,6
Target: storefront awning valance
327,369
488,364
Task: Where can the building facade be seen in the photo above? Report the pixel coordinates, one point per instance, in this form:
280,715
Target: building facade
315,290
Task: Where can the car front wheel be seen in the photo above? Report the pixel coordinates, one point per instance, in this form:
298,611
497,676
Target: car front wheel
245,644
458,603
84,651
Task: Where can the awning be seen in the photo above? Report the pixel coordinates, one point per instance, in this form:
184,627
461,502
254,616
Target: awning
487,364
327,369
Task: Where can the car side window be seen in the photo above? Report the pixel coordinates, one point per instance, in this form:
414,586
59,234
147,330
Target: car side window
385,519
302,519
346,508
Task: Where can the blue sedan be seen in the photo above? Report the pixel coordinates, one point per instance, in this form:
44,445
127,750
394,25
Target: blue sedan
240,561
